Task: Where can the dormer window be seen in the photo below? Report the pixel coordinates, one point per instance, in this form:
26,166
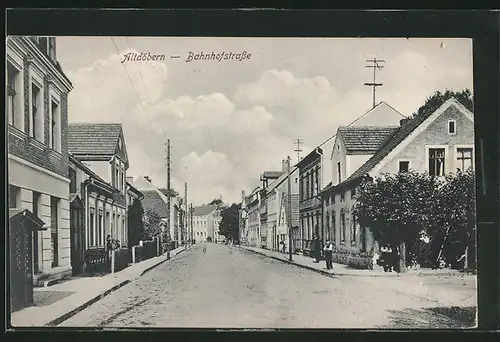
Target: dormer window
452,127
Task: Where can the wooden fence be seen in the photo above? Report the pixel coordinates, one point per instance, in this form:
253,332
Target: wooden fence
146,250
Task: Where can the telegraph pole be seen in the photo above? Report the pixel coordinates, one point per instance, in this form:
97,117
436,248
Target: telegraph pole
375,65
191,210
298,142
289,205
186,238
168,184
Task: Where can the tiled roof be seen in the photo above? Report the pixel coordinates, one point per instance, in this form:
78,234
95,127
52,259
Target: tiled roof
173,193
100,139
281,179
153,201
365,139
204,209
404,131
272,174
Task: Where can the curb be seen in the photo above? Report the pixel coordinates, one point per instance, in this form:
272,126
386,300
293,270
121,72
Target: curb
161,262
85,305
334,275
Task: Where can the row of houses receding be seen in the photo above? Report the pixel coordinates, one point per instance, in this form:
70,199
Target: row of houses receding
69,179
439,142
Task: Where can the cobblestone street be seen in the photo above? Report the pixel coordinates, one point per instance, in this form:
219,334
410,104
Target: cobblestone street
228,287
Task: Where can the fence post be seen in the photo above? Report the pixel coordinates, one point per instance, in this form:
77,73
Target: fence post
133,254
113,261
158,250
140,243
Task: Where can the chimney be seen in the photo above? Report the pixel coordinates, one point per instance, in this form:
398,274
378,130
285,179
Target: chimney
283,165
404,121
147,178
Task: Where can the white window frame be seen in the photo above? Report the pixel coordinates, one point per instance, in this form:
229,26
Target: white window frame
446,157
409,163
454,125
455,155
16,61
36,77
55,96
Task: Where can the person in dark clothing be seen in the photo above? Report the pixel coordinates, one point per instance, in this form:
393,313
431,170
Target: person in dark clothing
316,249
328,249
109,245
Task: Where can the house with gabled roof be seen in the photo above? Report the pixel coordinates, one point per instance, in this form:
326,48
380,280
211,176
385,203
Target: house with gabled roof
438,142
204,221
156,200
99,155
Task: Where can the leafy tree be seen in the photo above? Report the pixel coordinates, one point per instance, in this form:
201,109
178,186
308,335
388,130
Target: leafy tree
398,208
216,201
135,223
438,98
152,224
458,229
229,225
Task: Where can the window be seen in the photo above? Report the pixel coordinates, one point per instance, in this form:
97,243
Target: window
327,226
14,194
55,130
115,228
353,230
342,196
452,129
36,117
72,181
436,161
54,230
333,234
404,166
464,158
339,174
100,232
342,227
13,92
91,227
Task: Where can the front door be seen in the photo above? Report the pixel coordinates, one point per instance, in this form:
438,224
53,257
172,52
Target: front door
77,240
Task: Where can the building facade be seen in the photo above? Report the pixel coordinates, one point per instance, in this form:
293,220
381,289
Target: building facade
438,143
310,186
37,117
203,222
102,149
253,218
276,193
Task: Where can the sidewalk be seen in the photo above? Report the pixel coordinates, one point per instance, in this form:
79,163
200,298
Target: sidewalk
65,300
341,269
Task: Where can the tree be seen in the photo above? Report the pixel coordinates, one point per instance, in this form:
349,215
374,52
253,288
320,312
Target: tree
438,98
457,232
398,208
135,223
152,224
229,225
216,201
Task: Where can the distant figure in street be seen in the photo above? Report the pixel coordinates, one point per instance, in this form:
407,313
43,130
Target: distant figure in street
328,249
204,248
316,248
109,245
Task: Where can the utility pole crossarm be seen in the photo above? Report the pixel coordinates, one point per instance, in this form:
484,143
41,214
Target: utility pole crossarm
374,63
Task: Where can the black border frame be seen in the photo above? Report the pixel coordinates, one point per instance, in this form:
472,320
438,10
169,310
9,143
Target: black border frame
481,26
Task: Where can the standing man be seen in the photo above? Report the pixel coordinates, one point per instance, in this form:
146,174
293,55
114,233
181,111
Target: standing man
328,249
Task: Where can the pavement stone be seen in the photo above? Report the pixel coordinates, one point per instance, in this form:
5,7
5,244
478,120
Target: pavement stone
77,294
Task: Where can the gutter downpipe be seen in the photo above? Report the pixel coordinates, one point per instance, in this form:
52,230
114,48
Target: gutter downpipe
85,220
320,188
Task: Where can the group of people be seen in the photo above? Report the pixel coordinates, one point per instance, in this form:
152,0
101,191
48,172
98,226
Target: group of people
327,252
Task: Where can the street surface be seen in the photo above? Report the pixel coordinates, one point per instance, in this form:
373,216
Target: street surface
228,287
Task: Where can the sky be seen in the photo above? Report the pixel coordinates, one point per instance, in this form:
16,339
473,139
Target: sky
229,121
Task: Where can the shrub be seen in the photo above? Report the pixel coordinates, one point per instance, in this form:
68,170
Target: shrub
360,263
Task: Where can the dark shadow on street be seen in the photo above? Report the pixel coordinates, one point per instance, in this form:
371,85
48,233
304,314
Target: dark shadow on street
453,317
